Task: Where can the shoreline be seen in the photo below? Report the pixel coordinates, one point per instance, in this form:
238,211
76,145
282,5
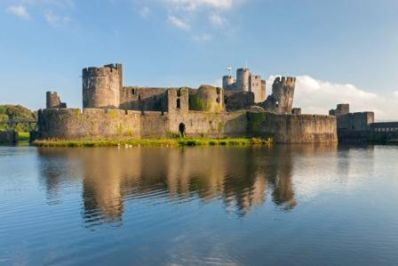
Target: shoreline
163,142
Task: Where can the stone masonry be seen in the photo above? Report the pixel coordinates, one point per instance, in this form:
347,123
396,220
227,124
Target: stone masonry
112,110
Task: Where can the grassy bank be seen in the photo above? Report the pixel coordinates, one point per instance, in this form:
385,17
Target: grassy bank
153,142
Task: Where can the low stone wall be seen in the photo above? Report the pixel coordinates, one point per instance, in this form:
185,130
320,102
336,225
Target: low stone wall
72,123
292,129
154,124
99,123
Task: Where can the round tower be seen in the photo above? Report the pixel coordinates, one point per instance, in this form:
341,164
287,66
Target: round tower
228,82
242,79
207,99
102,85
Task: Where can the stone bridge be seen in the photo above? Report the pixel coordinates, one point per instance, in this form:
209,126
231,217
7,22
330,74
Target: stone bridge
386,132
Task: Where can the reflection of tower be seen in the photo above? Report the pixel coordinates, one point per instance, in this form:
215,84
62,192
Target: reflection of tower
244,185
185,172
281,179
106,173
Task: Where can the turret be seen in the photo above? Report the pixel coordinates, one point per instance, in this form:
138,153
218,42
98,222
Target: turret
102,85
53,100
228,82
242,79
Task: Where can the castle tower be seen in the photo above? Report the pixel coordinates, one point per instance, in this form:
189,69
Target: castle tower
283,92
228,82
53,100
281,99
257,87
102,85
242,79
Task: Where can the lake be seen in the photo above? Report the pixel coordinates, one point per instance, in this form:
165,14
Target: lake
285,205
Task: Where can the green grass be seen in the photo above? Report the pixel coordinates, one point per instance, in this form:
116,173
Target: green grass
23,136
166,142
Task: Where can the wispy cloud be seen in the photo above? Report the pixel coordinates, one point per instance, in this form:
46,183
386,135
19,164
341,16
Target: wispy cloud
318,96
195,4
201,19
179,23
144,12
19,11
217,20
55,20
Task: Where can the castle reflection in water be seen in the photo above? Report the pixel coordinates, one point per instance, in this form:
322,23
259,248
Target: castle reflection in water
240,178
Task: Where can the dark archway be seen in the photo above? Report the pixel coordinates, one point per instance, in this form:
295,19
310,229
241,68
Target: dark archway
181,129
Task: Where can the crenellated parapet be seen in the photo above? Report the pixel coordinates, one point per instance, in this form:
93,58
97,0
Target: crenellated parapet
102,85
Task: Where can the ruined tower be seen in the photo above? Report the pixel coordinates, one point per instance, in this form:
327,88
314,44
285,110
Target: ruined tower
281,99
207,99
53,100
102,85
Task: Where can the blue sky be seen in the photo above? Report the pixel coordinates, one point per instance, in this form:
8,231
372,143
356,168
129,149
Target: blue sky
340,50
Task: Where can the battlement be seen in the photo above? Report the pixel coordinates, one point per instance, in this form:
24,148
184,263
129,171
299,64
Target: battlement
105,70
341,109
289,81
102,85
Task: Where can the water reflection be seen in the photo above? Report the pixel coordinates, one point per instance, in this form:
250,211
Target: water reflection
241,178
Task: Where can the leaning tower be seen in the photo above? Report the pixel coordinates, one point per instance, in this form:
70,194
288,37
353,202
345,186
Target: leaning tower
102,85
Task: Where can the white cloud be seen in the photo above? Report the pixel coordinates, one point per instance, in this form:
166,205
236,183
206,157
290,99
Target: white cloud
19,11
55,20
318,97
198,16
217,20
195,4
179,23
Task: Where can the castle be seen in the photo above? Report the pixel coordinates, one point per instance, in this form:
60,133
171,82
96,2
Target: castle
239,109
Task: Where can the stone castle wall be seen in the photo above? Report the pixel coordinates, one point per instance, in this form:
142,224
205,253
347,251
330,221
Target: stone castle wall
140,98
100,123
355,121
73,123
293,129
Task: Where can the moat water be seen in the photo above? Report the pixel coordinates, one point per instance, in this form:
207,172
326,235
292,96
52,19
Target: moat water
286,205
